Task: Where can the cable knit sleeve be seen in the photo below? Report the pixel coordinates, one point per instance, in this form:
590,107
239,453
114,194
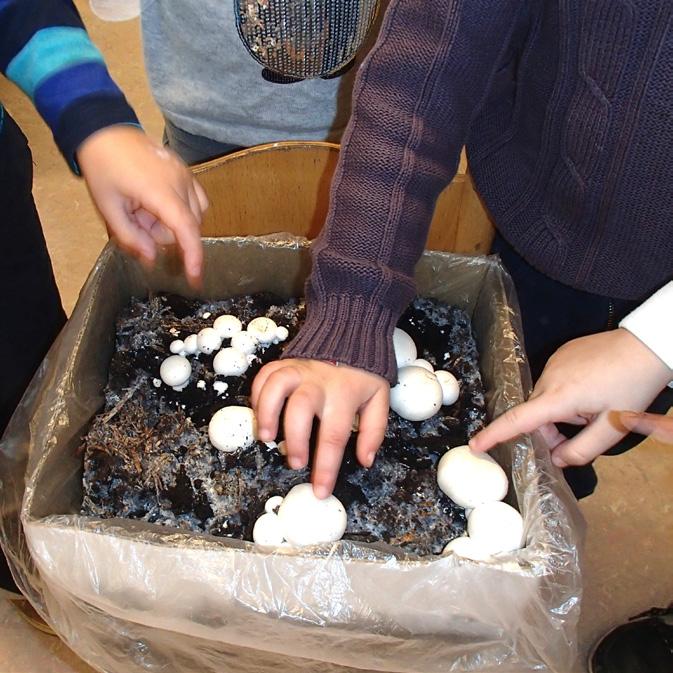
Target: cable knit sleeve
45,50
414,99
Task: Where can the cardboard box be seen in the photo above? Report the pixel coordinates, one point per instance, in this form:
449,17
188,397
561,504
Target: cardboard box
129,596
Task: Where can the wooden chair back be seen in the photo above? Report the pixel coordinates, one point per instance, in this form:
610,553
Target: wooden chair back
284,187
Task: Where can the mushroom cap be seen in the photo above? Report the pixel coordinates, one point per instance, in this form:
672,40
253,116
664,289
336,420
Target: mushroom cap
417,395
471,479
307,519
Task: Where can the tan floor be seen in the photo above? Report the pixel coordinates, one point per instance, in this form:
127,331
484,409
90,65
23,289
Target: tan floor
630,536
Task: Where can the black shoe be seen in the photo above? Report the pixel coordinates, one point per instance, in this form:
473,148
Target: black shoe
643,645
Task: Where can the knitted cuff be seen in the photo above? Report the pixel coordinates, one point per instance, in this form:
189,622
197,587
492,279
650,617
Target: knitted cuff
348,330
86,116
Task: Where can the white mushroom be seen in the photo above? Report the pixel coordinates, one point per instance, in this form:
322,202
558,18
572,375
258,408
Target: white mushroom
496,526
245,342
267,530
208,340
232,428
417,395
191,344
307,519
263,329
450,386
469,478
420,362
230,362
220,387
467,547
177,346
273,503
405,348
175,371
227,325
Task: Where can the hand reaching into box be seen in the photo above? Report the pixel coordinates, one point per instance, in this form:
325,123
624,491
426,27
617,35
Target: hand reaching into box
582,382
333,394
147,196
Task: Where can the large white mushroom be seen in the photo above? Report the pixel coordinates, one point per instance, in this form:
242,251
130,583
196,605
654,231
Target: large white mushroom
263,329
469,478
496,527
227,325
307,519
417,395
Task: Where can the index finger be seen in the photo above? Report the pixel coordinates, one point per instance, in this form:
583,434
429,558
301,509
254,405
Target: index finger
524,417
175,214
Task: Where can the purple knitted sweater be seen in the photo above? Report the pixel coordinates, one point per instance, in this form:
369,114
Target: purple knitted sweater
566,109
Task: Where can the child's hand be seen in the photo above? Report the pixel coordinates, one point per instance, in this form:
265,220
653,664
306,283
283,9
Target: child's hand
335,394
655,425
582,381
147,196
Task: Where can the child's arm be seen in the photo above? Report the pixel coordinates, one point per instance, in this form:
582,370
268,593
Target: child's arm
414,100
145,194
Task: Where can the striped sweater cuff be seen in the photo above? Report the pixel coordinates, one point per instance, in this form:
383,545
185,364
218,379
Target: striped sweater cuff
86,116
348,330
652,323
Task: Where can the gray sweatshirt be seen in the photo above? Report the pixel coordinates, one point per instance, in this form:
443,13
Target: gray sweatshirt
205,81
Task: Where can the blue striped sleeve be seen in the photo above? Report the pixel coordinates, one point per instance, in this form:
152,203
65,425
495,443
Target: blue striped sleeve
48,52
78,81
45,50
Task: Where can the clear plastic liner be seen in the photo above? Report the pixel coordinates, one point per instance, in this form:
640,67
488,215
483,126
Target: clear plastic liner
131,597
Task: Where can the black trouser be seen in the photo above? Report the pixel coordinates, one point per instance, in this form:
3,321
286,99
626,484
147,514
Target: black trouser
552,314
31,313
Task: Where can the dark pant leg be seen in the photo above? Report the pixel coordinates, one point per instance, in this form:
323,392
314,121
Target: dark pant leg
193,149
552,314
30,305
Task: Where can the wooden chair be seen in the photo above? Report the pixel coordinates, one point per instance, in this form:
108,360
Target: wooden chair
285,187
